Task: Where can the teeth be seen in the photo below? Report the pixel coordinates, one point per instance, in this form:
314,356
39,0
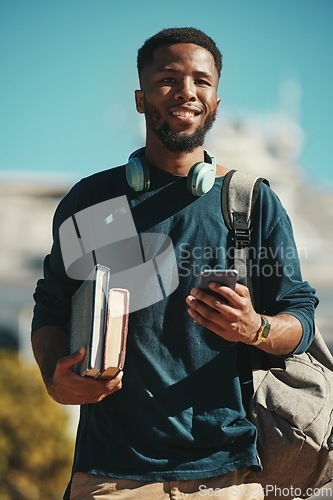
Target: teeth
184,113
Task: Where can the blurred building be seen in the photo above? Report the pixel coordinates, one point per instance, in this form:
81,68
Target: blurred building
26,211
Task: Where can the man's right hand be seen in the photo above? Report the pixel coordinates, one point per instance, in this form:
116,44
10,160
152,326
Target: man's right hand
50,346
68,388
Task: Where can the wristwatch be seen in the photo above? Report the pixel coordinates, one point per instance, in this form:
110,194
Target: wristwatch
263,331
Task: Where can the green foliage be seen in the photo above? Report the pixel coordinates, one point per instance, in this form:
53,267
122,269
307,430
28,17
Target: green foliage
35,447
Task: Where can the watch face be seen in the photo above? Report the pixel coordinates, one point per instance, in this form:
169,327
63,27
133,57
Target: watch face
262,332
265,328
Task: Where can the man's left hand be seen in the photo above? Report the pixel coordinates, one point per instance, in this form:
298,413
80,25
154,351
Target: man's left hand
230,315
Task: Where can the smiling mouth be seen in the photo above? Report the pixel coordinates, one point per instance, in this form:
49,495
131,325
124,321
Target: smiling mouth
186,113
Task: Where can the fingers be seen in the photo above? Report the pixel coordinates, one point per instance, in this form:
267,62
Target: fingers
232,296
115,383
201,313
221,311
112,386
72,359
199,300
210,319
67,387
242,290
223,297
100,389
229,313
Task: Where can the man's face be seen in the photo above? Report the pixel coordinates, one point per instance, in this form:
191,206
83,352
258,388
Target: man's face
179,96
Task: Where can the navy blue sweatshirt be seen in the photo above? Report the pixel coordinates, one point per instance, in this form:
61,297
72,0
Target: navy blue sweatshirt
180,413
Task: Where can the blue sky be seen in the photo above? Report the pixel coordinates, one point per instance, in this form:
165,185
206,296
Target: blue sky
68,74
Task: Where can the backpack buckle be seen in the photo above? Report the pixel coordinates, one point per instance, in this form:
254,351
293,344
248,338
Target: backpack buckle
242,237
241,230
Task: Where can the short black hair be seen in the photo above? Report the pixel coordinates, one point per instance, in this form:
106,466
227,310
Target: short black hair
170,36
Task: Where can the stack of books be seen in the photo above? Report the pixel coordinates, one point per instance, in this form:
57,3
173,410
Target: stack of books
100,322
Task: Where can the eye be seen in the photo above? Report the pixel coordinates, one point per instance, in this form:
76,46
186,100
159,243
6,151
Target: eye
202,82
168,79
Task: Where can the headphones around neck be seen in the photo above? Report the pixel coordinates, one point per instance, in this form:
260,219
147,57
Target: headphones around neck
200,178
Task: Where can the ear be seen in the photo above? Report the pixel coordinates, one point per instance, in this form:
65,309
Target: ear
139,100
218,102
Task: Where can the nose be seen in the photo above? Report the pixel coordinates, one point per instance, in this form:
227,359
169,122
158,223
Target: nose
186,90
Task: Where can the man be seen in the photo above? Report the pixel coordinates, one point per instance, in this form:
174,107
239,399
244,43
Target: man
174,424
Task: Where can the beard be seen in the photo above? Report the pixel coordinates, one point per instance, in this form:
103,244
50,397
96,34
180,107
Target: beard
173,141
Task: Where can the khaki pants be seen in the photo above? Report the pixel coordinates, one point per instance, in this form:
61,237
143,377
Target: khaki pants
239,485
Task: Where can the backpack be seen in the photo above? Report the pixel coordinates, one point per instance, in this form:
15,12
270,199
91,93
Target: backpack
292,400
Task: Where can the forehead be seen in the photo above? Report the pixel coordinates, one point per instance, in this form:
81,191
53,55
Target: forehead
185,57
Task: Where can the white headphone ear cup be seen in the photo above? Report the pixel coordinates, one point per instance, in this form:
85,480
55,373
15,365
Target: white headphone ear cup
137,174
201,178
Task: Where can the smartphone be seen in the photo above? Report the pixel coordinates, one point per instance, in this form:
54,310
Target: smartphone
225,277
